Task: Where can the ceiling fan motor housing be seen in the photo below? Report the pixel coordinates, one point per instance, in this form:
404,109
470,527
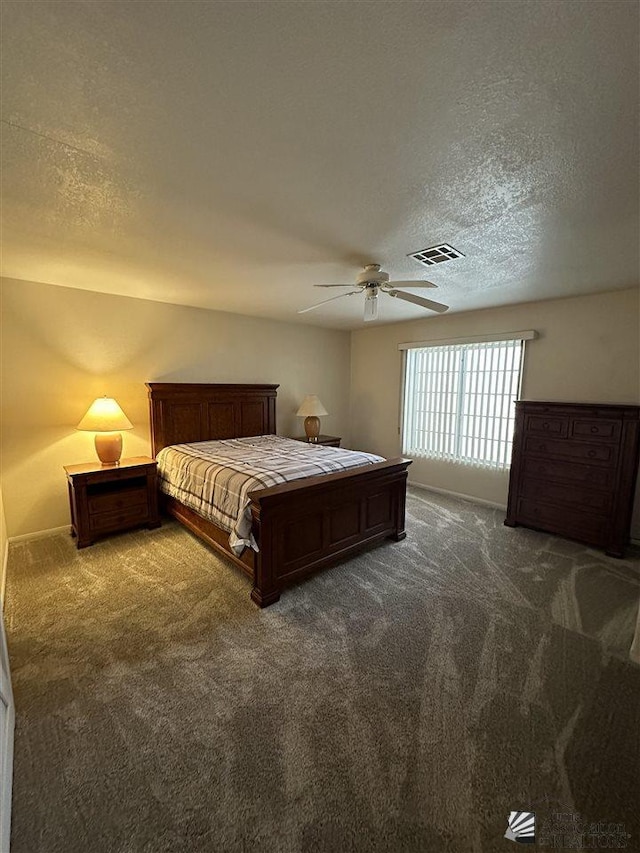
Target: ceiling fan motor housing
372,275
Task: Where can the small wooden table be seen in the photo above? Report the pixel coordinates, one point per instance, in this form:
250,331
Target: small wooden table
106,499
326,440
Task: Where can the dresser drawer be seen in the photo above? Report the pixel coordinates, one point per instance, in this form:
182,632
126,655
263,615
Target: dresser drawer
595,454
118,519
554,425
574,523
110,502
565,495
552,470
596,429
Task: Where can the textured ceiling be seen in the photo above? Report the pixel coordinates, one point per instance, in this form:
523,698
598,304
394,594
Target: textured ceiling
232,154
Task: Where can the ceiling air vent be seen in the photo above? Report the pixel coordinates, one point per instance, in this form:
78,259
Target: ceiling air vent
436,255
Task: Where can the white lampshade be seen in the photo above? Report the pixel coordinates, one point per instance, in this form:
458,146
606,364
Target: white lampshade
104,415
311,407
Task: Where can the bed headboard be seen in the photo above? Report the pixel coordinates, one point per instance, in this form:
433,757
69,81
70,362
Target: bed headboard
185,412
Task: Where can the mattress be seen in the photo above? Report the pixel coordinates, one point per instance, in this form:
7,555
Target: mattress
214,478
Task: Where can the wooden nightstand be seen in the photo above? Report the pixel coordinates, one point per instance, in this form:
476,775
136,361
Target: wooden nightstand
108,499
327,440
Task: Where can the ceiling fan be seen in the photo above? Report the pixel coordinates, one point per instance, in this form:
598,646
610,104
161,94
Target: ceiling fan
372,281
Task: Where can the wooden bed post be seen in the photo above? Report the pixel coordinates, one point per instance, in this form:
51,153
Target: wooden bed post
266,589
399,532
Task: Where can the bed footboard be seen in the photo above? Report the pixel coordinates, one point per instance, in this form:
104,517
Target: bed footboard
307,525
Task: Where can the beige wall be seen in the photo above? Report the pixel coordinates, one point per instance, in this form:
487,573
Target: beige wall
63,347
588,350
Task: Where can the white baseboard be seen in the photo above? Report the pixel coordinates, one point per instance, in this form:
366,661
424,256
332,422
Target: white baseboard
463,497
40,534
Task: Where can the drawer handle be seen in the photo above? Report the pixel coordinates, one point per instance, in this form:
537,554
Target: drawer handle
545,425
594,429
591,453
543,448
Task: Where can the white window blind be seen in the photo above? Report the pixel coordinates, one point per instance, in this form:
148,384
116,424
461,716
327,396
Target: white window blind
459,401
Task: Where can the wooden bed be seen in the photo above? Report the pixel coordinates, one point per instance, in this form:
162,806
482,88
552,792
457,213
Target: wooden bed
300,527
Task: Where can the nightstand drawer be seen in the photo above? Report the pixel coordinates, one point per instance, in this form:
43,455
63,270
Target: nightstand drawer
115,475
324,440
117,500
118,519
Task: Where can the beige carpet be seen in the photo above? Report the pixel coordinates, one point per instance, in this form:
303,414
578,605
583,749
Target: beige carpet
407,700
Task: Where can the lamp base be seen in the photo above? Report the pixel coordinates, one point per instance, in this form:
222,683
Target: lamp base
312,428
109,447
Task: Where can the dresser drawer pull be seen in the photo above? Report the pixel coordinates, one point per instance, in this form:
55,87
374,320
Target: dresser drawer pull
542,448
591,453
545,425
594,429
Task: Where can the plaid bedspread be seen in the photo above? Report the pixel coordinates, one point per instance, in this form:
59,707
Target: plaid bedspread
214,478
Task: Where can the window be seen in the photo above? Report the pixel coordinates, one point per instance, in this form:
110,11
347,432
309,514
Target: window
459,400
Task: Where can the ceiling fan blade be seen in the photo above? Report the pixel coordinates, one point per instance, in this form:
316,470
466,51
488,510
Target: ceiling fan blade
324,301
411,284
419,300
333,285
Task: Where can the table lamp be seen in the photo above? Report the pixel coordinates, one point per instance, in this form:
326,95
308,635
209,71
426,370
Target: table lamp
310,409
106,418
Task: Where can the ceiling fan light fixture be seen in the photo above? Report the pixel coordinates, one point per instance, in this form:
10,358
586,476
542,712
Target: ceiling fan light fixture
371,306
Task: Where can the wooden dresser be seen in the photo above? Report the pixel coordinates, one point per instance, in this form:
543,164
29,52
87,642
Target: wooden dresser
573,471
